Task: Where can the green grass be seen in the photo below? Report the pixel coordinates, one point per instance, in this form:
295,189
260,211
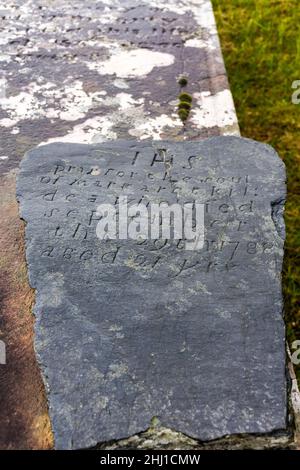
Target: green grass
261,45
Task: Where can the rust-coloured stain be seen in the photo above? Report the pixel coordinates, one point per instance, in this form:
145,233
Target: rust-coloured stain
24,416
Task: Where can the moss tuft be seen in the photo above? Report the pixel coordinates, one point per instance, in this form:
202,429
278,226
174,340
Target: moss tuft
185,97
183,81
154,423
183,114
184,105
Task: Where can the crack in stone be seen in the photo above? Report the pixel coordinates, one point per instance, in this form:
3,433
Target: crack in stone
277,211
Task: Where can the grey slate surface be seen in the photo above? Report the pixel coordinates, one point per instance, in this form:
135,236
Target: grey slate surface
128,331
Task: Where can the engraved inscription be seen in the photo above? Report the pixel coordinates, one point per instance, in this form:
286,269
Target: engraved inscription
230,203
132,324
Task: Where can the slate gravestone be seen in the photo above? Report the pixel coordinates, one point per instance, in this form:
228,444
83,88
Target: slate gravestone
128,330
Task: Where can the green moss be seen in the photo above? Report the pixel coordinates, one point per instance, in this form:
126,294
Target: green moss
185,97
154,422
183,114
184,105
183,81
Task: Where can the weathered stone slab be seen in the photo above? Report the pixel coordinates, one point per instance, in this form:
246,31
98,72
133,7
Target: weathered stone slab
96,71
129,330
56,84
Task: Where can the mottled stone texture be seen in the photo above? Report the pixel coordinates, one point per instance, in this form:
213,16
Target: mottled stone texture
93,71
59,81
128,330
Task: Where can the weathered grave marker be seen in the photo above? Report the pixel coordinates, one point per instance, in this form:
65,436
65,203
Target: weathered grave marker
128,330
86,73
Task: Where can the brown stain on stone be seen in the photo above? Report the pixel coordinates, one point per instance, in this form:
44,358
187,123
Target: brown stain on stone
24,418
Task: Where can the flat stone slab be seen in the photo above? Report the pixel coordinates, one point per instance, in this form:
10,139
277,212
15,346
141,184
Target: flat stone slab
95,71
128,330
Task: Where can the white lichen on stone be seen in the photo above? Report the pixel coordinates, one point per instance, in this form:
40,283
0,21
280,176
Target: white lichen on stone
214,110
154,127
131,63
68,102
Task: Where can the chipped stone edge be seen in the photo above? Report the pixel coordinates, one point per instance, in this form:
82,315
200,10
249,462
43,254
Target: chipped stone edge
158,437
162,438
232,129
294,398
